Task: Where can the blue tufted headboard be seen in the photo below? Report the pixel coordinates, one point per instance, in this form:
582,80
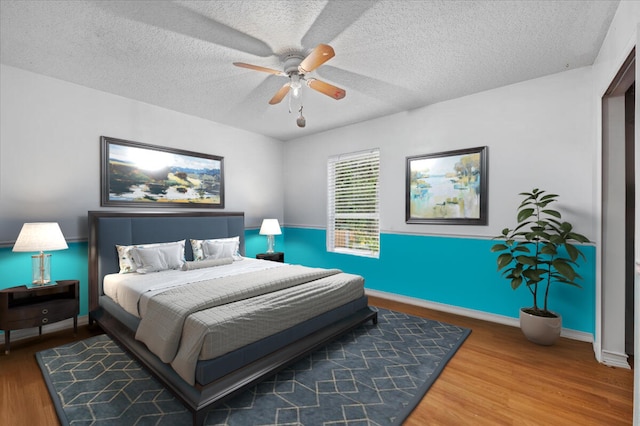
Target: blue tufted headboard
108,228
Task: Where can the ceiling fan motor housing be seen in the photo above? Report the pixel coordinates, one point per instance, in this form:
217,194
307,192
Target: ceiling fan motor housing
291,63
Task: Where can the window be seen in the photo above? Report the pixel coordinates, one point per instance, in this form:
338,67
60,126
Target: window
353,222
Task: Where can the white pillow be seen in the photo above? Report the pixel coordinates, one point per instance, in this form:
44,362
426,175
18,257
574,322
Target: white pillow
126,258
161,258
214,251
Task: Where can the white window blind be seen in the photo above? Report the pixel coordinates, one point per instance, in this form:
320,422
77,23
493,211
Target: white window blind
353,219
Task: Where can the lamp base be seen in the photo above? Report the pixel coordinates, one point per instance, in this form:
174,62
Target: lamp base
40,269
270,243
49,284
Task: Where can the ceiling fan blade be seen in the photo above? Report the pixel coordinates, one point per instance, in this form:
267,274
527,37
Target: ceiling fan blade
321,54
326,88
257,68
280,94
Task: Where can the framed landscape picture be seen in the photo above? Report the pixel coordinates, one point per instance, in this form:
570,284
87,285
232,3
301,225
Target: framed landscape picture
134,174
447,187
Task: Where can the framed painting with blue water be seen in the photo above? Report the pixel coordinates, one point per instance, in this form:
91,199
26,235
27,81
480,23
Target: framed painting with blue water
447,188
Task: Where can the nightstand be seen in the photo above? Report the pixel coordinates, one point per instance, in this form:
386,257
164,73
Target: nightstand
277,256
24,307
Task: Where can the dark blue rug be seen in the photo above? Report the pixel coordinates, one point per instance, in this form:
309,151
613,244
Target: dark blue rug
374,375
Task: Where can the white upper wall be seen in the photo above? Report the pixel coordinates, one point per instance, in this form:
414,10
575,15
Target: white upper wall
50,152
539,133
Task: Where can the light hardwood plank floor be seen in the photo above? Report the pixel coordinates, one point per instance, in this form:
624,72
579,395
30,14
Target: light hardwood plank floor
497,377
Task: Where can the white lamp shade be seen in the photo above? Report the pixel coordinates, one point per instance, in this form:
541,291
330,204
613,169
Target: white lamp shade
40,236
270,227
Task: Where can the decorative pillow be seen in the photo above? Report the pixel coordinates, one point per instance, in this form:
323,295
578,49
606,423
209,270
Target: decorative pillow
199,249
206,263
126,258
161,258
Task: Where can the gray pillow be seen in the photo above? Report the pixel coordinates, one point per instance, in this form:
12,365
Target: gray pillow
218,249
162,258
198,247
207,263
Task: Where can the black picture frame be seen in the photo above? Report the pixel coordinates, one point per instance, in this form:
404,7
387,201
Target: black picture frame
447,188
135,174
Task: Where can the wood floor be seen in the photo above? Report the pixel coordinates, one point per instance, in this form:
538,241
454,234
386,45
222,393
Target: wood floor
495,378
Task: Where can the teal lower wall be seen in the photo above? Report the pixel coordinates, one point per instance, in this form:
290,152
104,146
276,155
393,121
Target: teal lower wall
15,268
449,270
71,264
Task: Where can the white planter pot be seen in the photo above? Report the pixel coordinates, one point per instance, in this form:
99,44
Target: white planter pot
540,330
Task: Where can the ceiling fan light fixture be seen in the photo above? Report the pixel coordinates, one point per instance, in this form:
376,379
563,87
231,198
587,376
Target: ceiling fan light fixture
295,85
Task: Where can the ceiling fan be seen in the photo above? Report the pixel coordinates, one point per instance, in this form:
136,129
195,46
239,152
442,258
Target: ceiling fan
296,67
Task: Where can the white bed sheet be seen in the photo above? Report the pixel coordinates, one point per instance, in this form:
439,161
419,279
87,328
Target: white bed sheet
132,291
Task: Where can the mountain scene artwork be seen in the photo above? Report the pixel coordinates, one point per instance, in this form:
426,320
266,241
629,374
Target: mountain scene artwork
142,175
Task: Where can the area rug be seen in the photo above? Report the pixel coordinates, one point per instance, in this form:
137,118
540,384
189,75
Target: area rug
374,375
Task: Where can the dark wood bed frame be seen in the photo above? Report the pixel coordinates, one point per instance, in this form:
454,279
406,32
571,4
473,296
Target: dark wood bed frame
200,399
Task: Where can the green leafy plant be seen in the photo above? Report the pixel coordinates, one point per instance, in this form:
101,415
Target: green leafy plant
540,250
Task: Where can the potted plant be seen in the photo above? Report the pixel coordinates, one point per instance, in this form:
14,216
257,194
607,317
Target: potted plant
538,252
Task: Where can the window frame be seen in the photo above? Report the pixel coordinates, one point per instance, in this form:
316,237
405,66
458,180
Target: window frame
354,162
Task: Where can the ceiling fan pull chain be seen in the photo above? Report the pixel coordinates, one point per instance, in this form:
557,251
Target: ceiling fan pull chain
301,121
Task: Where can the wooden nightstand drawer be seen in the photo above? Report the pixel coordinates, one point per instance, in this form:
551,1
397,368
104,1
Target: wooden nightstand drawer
38,314
23,307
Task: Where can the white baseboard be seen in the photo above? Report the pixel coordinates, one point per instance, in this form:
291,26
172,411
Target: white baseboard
615,359
26,333
609,358
471,313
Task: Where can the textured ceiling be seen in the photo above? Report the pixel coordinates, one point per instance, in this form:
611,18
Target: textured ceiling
391,56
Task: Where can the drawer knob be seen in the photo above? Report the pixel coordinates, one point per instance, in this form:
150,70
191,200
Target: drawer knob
45,311
45,320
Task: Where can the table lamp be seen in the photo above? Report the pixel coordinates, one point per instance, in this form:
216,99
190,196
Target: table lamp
40,236
270,227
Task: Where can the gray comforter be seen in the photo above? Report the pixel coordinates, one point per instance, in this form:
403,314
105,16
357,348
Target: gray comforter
206,319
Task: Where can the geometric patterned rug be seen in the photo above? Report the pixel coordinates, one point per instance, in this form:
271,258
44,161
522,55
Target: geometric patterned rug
374,375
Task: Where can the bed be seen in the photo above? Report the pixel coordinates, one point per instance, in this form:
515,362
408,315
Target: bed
280,312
